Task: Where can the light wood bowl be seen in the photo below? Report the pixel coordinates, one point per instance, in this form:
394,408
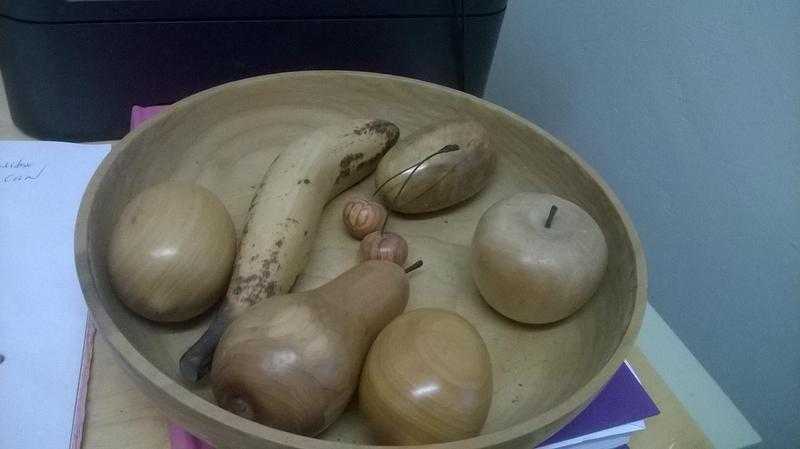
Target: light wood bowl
224,138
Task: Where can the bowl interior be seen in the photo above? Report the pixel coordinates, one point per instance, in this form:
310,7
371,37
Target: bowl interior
225,139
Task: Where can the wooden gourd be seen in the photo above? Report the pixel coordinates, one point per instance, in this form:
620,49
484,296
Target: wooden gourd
293,362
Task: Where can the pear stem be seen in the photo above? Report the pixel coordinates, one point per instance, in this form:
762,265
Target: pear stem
550,216
414,266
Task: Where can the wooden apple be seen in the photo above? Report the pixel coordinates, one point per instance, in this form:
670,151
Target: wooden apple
537,258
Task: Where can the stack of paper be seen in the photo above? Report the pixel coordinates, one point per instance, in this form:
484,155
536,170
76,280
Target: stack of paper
45,337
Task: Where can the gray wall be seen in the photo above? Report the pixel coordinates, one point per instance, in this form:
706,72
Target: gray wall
691,111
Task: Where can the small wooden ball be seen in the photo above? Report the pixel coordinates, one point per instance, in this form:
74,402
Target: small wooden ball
171,252
362,216
384,246
427,379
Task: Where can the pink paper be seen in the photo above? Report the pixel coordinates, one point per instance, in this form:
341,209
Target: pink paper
140,114
179,438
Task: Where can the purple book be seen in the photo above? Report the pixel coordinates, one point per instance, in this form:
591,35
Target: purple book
622,401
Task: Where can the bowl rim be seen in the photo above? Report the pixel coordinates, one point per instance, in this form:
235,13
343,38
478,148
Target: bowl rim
191,404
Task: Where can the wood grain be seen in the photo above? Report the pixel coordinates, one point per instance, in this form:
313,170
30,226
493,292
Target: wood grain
541,380
414,179
427,379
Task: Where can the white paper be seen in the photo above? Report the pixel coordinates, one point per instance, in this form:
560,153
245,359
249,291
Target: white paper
598,440
42,313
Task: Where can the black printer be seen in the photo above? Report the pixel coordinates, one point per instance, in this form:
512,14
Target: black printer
73,68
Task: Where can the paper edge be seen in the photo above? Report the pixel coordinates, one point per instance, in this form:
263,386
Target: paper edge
79,411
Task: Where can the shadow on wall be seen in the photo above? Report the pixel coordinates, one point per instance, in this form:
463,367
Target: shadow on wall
691,111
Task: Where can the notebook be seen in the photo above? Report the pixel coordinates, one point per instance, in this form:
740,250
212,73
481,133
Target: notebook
607,423
45,334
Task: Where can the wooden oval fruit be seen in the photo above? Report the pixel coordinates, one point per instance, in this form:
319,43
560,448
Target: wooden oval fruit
532,272
171,252
427,379
443,180
293,362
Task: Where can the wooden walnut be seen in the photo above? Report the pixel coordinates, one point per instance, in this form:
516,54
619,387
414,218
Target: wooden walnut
362,216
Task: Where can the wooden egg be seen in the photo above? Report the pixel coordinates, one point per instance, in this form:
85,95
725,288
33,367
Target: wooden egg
537,258
442,180
427,379
171,252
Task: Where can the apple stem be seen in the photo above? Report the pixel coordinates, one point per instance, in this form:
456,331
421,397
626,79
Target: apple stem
414,266
550,216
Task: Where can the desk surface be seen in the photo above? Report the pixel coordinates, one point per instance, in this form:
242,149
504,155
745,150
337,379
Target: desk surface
118,416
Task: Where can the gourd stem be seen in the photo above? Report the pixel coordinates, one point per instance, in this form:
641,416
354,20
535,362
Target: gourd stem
414,266
550,216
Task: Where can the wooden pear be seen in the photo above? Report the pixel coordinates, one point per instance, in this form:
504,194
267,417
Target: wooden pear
293,362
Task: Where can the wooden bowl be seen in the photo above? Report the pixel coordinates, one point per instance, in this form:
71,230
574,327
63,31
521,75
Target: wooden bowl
225,137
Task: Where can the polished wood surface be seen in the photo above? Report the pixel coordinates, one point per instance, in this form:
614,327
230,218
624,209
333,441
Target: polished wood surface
292,362
119,416
172,251
284,214
427,379
409,185
535,391
537,258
